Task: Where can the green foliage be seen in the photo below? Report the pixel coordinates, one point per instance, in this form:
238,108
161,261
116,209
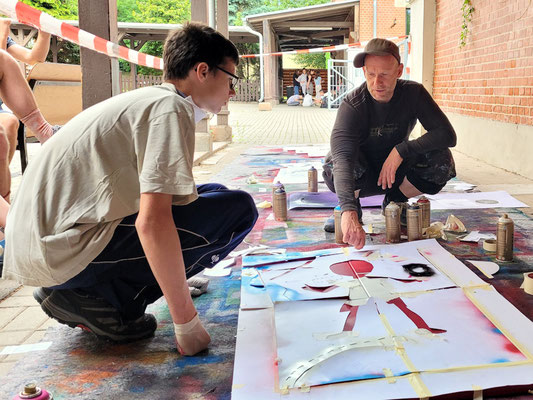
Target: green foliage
248,68
311,60
61,9
467,9
163,11
238,9
126,9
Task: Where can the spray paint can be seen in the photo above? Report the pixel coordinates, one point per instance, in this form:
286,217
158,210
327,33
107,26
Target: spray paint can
312,180
275,187
32,391
425,210
392,222
505,238
338,229
413,222
280,204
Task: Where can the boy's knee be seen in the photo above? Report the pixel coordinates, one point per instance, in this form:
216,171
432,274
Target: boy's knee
245,203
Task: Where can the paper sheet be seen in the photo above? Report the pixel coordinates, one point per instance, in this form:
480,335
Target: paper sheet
298,172
487,314
478,200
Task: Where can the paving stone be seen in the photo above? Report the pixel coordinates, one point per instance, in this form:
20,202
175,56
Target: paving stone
18,301
31,318
10,338
8,314
24,291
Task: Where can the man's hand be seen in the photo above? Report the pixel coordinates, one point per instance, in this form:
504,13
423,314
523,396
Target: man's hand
191,337
388,170
353,232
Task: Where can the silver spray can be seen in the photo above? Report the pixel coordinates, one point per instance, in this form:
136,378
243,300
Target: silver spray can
413,222
505,238
392,222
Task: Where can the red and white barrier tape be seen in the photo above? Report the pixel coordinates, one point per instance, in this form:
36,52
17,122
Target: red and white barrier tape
319,49
30,16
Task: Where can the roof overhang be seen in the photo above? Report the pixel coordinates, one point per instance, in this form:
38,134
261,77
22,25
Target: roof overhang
157,32
308,27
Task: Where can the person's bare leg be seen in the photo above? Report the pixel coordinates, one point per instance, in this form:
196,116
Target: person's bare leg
408,189
11,126
16,94
5,175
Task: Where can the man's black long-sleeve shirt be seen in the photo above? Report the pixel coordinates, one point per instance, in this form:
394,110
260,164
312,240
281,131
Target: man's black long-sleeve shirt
366,127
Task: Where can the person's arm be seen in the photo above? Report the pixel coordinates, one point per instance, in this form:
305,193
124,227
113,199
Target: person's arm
5,30
345,145
160,241
440,133
37,54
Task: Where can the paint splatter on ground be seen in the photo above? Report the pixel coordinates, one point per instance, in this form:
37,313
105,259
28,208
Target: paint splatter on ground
78,366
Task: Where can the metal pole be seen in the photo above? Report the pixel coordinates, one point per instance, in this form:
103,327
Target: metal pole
212,14
375,18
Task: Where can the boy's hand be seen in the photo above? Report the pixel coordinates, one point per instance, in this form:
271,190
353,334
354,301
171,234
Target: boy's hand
191,337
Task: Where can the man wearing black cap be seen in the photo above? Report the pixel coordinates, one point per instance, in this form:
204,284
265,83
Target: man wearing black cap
370,151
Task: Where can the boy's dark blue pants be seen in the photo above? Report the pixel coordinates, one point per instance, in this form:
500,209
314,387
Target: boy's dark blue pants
209,228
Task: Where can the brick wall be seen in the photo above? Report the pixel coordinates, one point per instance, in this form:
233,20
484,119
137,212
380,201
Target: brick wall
492,76
391,19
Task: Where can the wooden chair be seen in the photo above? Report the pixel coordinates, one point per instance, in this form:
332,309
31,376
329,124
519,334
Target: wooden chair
57,90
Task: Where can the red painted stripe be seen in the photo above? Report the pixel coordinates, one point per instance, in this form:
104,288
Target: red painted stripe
417,319
157,63
350,319
100,44
70,32
302,51
28,15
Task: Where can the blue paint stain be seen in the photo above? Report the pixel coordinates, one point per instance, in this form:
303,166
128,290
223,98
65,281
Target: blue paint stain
137,389
500,360
496,330
189,361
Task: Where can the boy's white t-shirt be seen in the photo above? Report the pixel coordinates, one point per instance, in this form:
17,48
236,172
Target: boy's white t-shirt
90,175
308,101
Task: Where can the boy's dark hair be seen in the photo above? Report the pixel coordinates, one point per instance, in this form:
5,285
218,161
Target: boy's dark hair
192,44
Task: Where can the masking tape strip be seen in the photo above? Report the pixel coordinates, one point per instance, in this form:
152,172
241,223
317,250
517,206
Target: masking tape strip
389,375
489,245
414,378
496,322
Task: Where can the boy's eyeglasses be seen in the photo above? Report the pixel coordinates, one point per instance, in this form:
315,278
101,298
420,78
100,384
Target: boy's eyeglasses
234,80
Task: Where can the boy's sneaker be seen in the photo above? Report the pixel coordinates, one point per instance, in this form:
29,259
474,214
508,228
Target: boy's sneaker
329,225
77,309
40,294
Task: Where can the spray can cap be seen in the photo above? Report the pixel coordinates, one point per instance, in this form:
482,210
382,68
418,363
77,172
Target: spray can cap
280,190
392,206
423,199
505,218
413,206
312,168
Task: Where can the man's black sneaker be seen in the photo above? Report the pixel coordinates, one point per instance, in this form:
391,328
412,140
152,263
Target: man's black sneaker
329,225
40,294
77,309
